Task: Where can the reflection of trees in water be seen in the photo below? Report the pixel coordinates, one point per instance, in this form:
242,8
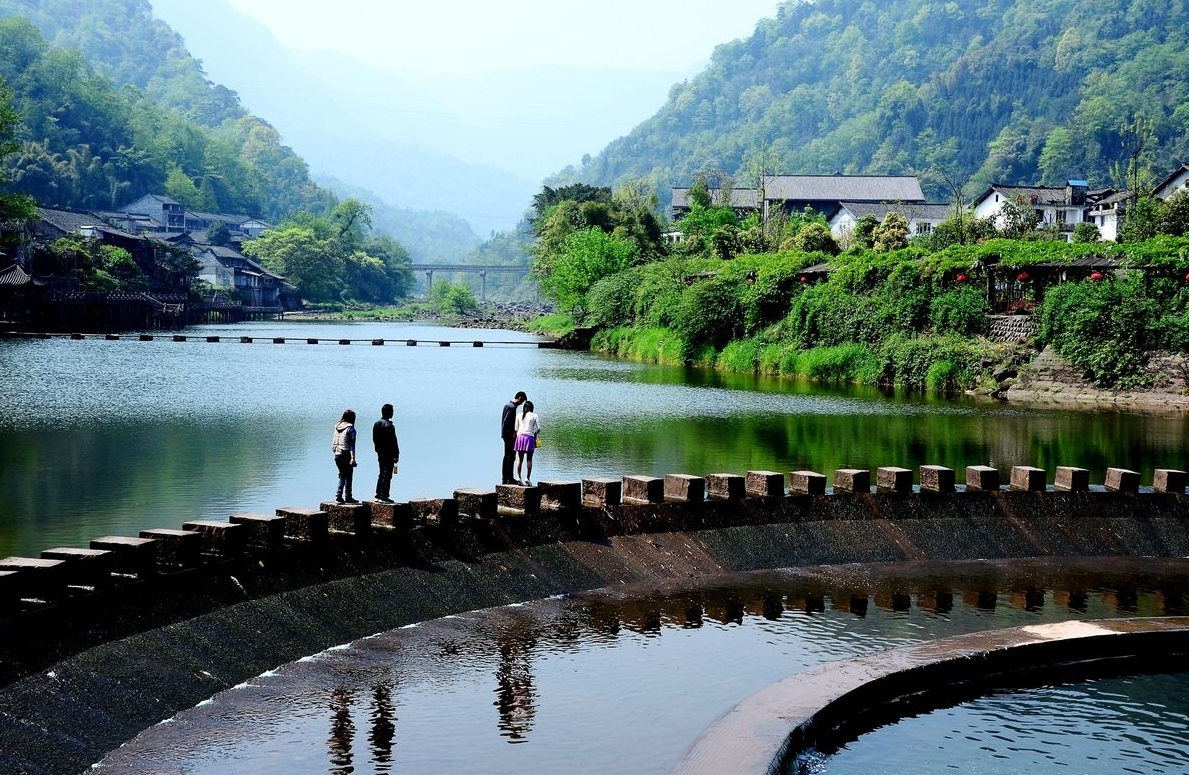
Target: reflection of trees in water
381,736
516,697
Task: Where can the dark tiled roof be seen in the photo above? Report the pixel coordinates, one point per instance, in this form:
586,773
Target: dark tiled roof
844,188
910,210
1045,195
70,221
232,257
15,276
1173,176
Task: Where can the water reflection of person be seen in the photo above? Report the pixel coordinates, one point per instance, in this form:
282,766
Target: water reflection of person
342,732
516,697
383,732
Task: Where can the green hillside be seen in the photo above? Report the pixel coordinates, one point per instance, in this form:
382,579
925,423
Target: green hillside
128,45
1011,91
88,143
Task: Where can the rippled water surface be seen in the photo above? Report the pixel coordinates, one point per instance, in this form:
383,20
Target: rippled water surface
101,437
622,682
1122,725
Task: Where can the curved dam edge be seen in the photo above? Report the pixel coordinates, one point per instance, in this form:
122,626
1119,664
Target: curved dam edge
829,704
168,644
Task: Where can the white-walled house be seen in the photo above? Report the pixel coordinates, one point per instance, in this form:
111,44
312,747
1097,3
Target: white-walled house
922,217
1063,207
1175,182
1108,213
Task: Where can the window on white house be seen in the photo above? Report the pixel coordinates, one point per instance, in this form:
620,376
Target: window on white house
924,228
1061,216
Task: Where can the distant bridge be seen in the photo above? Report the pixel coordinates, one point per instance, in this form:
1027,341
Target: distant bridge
482,269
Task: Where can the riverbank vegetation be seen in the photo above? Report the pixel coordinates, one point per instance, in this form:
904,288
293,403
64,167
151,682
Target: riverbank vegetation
781,297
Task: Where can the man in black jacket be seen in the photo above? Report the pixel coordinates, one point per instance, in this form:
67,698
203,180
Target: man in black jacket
387,451
508,434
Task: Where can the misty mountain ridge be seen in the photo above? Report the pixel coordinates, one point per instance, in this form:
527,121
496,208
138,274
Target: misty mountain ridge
475,144
980,91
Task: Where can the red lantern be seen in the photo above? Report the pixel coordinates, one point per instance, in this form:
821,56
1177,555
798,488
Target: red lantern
961,278
804,279
1096,276
1023,277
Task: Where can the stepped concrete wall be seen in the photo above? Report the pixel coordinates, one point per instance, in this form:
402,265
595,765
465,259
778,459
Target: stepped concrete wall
98,644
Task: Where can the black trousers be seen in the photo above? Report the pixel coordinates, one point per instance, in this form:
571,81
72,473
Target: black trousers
384,481
509,458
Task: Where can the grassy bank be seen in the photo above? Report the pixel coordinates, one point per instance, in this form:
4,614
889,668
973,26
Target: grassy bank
935,363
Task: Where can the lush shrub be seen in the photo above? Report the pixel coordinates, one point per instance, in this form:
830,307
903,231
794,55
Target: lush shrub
769,298
611,301
740,355
771,357
449,298
828,314
852,362
651,345
962,311
815,237
920,363
709,312
1104,328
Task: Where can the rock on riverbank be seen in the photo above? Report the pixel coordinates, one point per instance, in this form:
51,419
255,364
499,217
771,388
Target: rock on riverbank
1051,379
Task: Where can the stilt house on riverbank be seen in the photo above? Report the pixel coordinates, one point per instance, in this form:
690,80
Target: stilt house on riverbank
51,284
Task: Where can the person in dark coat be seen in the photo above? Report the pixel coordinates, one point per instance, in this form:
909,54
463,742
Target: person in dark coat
508,434
387,452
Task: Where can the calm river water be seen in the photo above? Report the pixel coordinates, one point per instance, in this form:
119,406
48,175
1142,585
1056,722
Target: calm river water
101,437
621,682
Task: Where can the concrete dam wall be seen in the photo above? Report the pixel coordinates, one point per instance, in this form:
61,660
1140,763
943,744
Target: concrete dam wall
99,644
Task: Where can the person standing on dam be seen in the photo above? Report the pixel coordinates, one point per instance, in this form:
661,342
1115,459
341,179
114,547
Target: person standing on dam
343,447
387,453
528,428
508,434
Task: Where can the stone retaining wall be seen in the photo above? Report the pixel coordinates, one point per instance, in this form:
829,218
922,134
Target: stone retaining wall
1012,329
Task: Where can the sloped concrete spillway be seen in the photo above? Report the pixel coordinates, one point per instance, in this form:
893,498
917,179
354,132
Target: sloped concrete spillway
87,666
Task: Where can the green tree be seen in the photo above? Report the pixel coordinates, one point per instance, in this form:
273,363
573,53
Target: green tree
587,257
1141,221
892,234
1174,214
1058,159
865,231
1086,232
815,237
1018,218
314,265
13,207
218,234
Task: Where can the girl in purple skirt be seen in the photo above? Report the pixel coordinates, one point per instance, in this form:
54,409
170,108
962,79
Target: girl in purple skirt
527,428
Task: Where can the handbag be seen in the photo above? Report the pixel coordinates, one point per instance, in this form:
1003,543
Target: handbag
538,442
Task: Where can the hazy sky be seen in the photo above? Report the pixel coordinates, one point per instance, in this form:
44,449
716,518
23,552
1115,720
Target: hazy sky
468,35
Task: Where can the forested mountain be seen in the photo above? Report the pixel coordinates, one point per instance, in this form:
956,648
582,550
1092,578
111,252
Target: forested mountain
1011,91
87,143
431,236
127,44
